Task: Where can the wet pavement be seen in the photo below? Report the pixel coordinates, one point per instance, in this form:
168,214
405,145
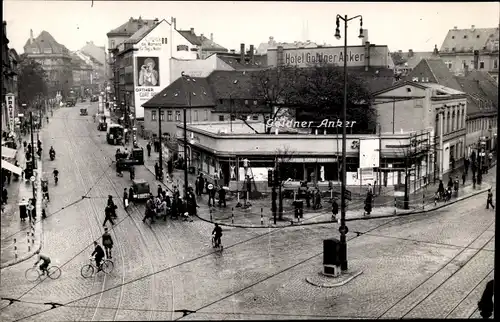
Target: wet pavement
430,265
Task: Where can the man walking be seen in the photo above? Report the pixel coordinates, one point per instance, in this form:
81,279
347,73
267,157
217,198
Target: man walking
489,201
464,176
125,198
150,209
201,184
148,147
211,195
107,242
157,171
222,196
108,213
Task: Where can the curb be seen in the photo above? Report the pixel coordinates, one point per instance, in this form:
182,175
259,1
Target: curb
38,215
351,219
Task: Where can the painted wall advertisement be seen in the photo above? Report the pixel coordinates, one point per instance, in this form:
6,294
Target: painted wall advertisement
10,100
147,81
369,154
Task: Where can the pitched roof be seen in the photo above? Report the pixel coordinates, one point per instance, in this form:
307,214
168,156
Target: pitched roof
480,87
412,59
474,38
45,40
96,52
191,37
176,94
442,73
140,34
375,79
210,45
231,83
233,60
131,26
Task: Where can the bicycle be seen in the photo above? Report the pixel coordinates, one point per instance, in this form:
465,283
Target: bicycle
33,274
214,245
88,270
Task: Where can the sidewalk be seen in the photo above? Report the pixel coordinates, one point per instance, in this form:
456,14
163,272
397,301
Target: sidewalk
20,240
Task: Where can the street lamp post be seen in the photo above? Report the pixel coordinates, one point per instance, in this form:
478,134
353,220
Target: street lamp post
343,230
190,80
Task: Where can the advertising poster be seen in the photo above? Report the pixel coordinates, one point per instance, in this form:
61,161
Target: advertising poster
369,153
10,101
148,71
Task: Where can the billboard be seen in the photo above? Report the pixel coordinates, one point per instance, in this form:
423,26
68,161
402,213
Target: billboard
369,153
148,71
10,100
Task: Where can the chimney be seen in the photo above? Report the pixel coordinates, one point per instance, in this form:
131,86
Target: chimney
455,28
410,52
201,36
252,57
365,38
31,36
173,21
211,36
400,51
473,28
435,52
476,59
156,21
232,51
242,53
279,56
192,31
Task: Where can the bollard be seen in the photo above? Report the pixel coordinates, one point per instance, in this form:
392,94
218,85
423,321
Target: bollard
331,194
29,248
33,241
423,201
295,196
15,252
32,234
395,205
262,216
232,215
211,214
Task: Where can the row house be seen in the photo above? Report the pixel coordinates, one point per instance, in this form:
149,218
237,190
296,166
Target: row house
10,71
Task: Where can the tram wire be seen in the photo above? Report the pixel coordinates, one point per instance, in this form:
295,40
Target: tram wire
193,260
62,208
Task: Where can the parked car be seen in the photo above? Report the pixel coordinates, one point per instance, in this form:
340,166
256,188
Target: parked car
141,189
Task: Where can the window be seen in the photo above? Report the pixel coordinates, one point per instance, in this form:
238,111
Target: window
169,116
220,101
164,41
465,36
414,79
162,116
449,64
244,117
255,117
206,115
221,118
254,102
446,49
153,115
419,103
182,48
481,65
246,102
495,63
452,37
177,115
477,36
112,44
231,101
453,49
47,50
196,116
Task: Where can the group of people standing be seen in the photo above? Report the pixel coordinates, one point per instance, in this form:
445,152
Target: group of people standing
202,185
164,205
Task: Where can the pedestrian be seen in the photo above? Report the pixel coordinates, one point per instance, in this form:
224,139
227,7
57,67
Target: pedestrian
5,196
222,196
197,185
464,176
211,195
8,174
473,181
335,209
130,194
150,209
148,148
159,191
108,213
170,167
107,242
308,197
489,200
132,172
125,198
112,206
157,171
201,184
485,305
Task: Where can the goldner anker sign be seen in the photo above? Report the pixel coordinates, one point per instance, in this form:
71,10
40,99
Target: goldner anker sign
356,56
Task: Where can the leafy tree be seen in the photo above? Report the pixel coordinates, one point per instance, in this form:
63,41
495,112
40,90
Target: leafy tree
320,96
32,80
398,58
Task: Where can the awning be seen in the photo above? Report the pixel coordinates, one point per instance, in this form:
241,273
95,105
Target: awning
313,160
12,168
8,153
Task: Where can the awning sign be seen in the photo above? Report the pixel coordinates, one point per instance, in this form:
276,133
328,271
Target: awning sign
12,168
8,153
10,100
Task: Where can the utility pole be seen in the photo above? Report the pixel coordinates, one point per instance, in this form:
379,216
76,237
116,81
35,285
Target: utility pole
185,147
379,159
280,200
160,144
33,162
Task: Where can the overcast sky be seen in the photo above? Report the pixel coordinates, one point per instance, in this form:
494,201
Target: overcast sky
405,25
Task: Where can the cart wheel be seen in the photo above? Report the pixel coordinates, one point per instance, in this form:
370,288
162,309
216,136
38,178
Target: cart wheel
87,271
107,266
32,274
54,272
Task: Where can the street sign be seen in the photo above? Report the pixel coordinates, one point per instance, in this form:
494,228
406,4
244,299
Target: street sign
210,186
343,229
32,179
348,195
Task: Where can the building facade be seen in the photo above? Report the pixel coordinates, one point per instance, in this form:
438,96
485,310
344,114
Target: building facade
82,75
472,48
10,71
442,111
404,62
481,91
55,60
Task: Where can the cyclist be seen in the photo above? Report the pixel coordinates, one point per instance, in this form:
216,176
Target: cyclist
45,264
56,174
98,254
217,233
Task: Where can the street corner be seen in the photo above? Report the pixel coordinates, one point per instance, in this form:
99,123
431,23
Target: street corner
23,247
320,279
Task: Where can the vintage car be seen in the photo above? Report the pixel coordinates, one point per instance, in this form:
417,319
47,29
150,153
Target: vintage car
140,188
135,158
94,98
102,126
115,133
70,102
83,111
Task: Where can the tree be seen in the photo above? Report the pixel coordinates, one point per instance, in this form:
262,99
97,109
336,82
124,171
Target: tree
283,171
32,80
320,96
398,58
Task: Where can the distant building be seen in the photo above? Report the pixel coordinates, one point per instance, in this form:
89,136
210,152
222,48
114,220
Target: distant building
98,60
55,60
205,46
273,44
82,75
97,75
404,62
482,99
473,48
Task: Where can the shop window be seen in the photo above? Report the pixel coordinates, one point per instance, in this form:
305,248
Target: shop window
352,164
254,102
233,117
182,48
246,102
481,65
153,115
169,116
221,118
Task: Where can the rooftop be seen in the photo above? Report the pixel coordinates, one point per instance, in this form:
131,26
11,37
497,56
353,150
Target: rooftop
140,34
45,40
468,39
191,37
238,127
96,52
233,60
209,45
130,27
